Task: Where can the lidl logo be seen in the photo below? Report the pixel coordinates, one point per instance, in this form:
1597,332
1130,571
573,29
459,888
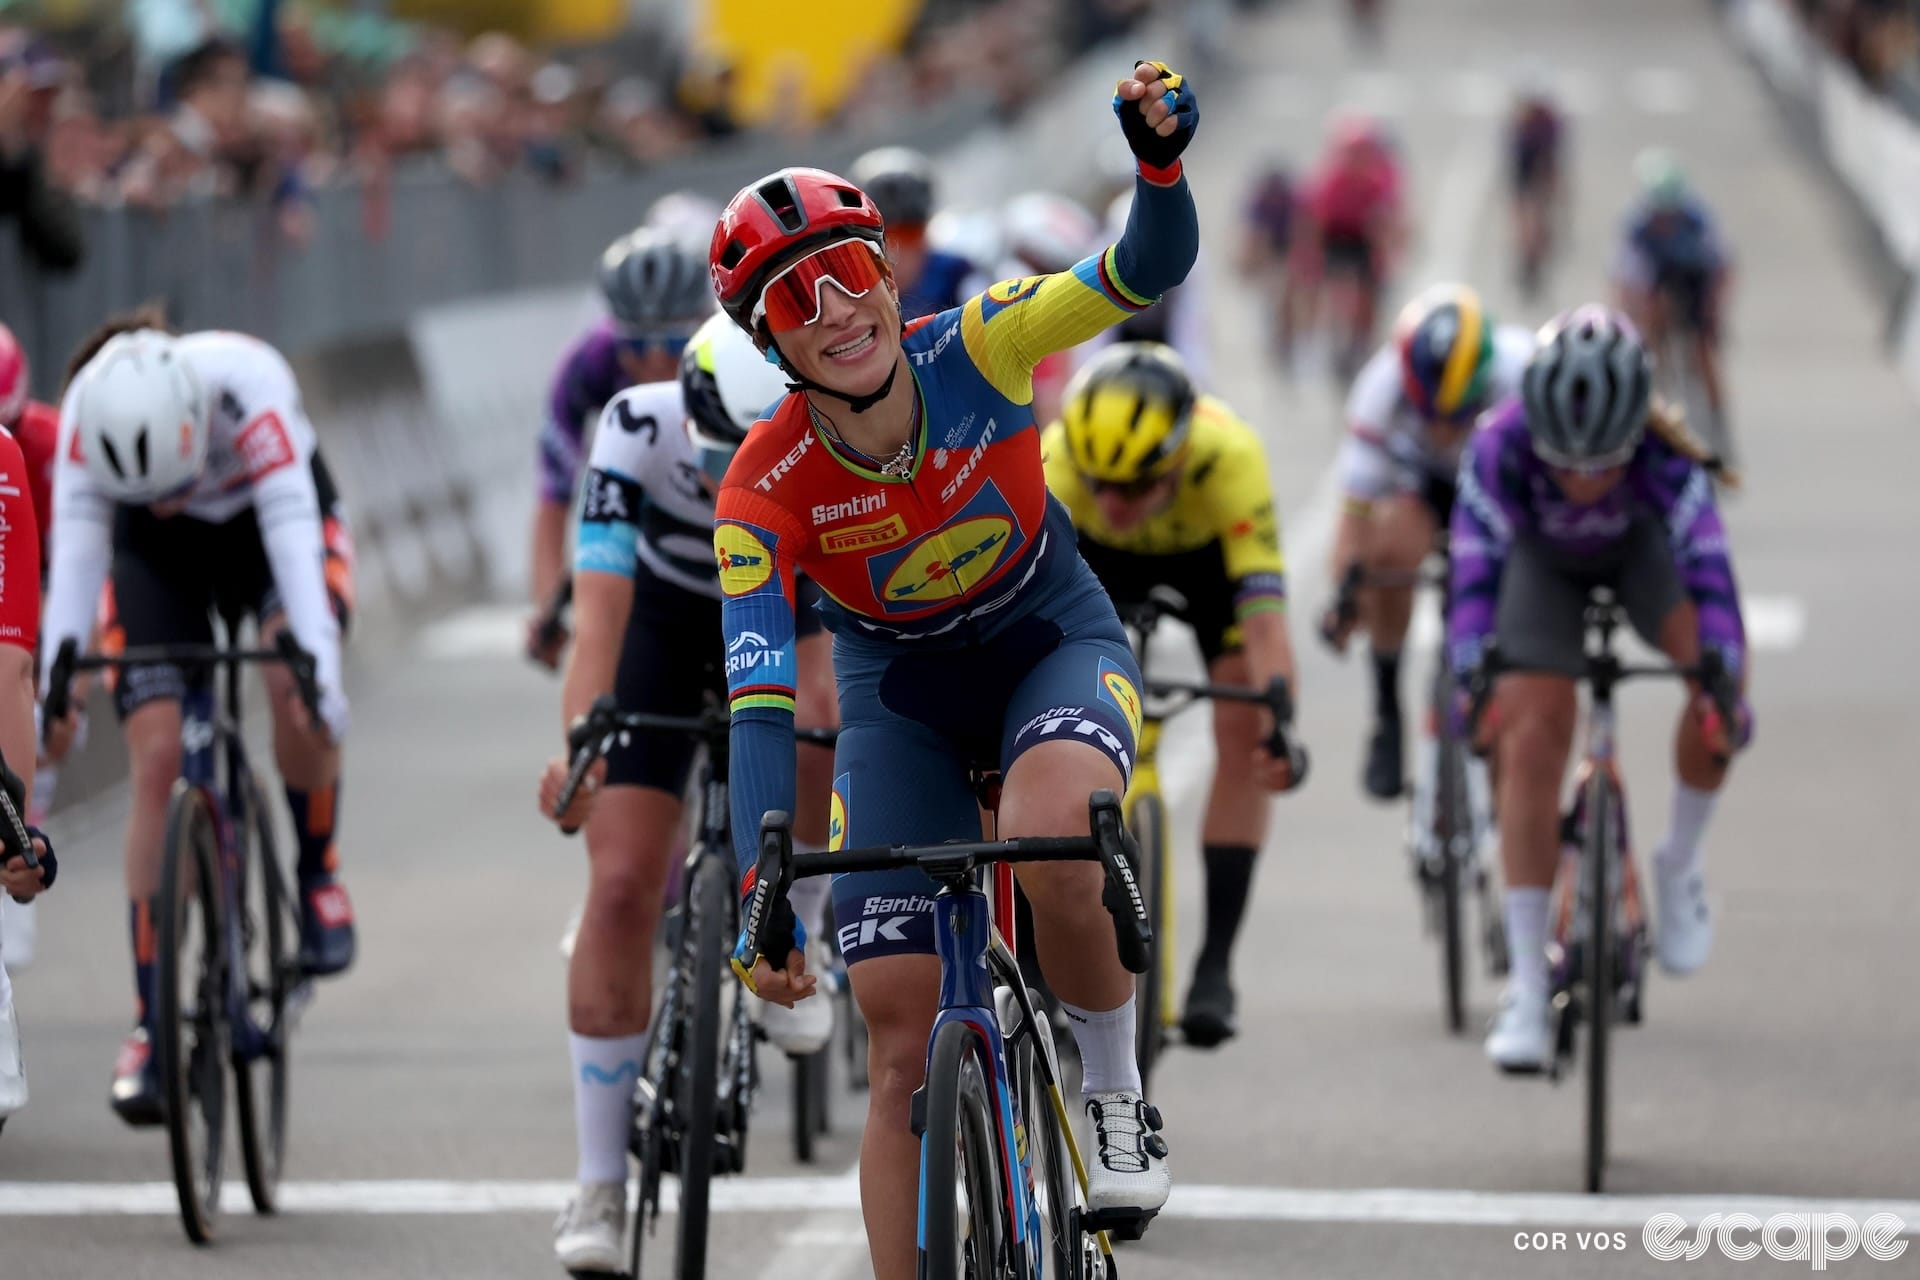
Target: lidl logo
942,567
864,537
837,815
1117,689
745,562
1000,296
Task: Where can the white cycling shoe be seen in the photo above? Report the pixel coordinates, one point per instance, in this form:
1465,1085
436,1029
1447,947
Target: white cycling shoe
590,1237
1128,1173
1683,938
1521,1038
803,1029
17,934
13,1066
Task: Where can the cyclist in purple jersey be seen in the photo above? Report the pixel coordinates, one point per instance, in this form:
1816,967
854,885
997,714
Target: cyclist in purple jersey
1563,489
655,283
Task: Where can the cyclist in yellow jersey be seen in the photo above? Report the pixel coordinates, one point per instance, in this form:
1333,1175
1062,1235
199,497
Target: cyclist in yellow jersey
1168,487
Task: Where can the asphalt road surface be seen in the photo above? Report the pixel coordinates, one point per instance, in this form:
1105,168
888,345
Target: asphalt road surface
1343,1134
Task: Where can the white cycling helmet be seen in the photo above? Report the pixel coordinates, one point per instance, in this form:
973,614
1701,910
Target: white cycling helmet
727,385
140,414
1049,232
685,211
973,234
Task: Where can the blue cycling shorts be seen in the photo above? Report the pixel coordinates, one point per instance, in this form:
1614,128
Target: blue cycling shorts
915,722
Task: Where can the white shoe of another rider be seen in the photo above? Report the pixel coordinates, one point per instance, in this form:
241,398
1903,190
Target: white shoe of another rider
13,1065
1128,1172
803,1029
18,933
591,1234
1521,1038
1683,933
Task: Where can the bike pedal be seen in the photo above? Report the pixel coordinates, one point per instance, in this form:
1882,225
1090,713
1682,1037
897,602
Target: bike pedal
1121,1224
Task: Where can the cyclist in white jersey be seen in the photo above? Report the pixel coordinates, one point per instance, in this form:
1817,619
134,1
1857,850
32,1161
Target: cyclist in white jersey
1409,413
647,622
188,468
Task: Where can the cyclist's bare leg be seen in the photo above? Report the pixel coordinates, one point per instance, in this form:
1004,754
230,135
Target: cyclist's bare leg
307,762
1706,358
1237,804
1045,794
1399,537
153,758
1537,714
898,997
630,840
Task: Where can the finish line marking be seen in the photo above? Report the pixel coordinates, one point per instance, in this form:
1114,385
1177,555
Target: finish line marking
842,1193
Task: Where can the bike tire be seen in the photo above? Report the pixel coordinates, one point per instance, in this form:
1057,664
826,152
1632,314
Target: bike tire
960,1154
1055,1194
1450,820
708,937
1148,823
809,1099
267,927
1601,837
190,1044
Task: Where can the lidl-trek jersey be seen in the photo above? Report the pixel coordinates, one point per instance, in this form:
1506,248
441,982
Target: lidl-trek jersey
1224,499
962,546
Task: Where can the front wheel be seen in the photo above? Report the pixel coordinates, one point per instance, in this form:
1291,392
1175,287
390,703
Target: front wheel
260,1071
708,937
1601,848
810,1091
1148,824
964,1231
190,1021
1452,829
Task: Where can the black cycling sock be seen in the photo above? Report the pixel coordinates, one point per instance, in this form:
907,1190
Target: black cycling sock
1229,878
1386,685
314,816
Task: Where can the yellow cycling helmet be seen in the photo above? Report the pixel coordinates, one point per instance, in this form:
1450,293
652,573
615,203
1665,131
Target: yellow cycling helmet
1128,412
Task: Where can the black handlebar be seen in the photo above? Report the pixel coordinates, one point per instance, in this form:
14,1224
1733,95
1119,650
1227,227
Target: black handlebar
14,839
595,733
1107,843
1282,743
286,650
1603,671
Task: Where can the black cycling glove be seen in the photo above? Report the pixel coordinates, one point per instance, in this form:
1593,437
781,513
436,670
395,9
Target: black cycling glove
1149,147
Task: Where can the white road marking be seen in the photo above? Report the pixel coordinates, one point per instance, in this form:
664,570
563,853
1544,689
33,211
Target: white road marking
1380,93
1661,91
840,1194
1480,94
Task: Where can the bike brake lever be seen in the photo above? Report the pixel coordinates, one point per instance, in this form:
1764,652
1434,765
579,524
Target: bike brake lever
1132,928
772,875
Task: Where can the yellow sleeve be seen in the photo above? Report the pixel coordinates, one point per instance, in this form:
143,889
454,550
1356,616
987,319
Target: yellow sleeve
1240,495
1017,323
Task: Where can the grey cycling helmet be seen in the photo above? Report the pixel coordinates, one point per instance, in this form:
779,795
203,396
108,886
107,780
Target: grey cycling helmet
1587,390
656,279
899,181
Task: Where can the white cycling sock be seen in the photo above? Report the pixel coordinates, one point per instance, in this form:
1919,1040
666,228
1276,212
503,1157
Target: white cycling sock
1692,808
605,1070
1107,1060
1526,912
811,897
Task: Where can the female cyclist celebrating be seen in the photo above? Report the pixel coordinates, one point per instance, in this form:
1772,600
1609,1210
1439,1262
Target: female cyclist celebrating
905,479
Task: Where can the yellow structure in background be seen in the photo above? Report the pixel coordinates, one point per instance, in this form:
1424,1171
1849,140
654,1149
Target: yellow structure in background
540,21
781,59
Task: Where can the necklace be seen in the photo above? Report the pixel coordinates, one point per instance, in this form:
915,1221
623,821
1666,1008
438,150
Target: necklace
899,466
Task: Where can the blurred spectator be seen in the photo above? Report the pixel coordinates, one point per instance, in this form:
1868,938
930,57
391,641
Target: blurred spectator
1880,38
49,225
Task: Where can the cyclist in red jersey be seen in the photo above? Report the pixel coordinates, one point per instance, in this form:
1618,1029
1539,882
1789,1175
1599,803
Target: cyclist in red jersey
906,481
1351,228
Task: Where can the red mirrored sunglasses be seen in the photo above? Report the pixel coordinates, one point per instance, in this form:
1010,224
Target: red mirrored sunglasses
792,298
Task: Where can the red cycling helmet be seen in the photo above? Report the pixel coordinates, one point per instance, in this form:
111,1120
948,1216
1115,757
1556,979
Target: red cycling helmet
776,220
13,377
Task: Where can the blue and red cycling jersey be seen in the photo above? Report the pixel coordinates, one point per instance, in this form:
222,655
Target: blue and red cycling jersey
588,379
1506,494
951,554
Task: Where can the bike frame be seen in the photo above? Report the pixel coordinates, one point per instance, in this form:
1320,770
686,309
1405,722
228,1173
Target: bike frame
210,737
1599,760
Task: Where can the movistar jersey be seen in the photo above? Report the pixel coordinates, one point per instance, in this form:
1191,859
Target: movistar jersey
965,543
